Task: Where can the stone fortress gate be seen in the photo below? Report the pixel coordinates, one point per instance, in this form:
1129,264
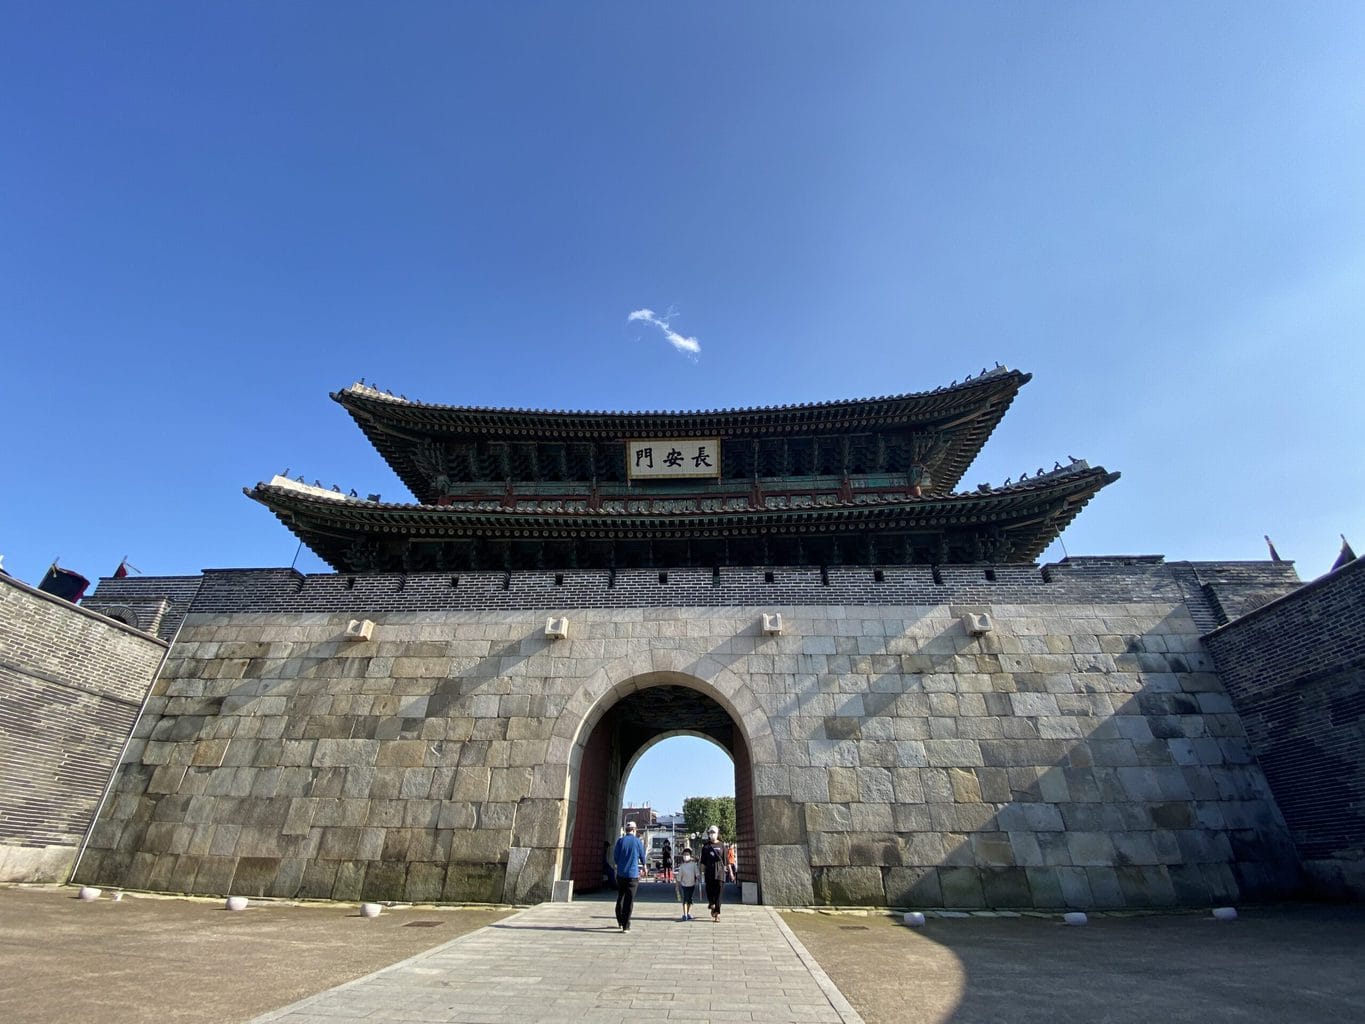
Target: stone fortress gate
917,713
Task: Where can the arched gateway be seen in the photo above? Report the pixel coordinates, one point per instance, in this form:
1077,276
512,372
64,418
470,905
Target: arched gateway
625,722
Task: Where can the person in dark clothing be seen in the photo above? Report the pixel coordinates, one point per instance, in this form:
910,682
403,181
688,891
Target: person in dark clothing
713,870
628,856
666,861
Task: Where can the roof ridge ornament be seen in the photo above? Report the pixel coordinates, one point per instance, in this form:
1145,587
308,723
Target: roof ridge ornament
372,391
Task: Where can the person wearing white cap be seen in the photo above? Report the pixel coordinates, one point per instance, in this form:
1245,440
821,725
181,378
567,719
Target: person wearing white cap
629,857
713,870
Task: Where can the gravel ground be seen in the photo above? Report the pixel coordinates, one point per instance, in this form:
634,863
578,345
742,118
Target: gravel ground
157,959
1290,965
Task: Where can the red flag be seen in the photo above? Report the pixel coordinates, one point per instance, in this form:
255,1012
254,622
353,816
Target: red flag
122,570
64,583
1274,555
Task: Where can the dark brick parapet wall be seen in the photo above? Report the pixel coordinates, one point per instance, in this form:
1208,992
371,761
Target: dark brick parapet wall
153,604
1073,581
1295,668
71,684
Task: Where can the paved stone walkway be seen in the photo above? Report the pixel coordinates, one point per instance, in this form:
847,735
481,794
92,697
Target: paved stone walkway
569,962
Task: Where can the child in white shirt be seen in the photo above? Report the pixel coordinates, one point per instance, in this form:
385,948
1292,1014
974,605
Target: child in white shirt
687,875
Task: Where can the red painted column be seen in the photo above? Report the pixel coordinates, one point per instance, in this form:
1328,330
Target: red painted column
589,830
746,852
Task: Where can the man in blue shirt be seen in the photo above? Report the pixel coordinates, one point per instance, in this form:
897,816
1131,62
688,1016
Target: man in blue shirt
629,856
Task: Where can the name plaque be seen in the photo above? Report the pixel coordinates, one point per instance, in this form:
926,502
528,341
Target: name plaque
673,458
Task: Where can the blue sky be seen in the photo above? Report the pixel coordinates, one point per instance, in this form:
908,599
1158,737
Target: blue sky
211,215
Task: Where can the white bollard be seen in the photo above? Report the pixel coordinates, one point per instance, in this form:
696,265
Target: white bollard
1075,918
370,909
914,919
1225,913
237,902
88,893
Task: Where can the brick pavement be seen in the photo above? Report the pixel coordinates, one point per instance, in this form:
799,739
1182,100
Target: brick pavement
569,962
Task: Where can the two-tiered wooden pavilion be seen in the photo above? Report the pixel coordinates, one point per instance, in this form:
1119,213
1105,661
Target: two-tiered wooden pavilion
864,482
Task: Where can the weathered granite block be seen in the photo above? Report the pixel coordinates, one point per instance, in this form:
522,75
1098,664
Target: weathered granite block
254,875
1006,887
966,788
913,887
780,821
384,881
829,848
842,784
830,818
1104,887
882,850
1075,886
786,875
849,886
425,882
961,887
474,883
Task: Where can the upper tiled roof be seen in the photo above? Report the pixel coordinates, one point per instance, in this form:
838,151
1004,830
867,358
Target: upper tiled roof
964,413
364,399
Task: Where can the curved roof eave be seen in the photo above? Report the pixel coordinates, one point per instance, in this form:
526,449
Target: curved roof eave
384,405
393,516
974,407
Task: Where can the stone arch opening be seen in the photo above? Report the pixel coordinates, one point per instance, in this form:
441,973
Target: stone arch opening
121,613
611,742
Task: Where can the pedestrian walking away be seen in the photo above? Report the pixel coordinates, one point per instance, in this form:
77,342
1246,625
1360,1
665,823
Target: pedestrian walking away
666,861
628,856
689,872
713,864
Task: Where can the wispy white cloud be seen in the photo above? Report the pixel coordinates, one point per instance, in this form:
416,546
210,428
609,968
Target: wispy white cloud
679,341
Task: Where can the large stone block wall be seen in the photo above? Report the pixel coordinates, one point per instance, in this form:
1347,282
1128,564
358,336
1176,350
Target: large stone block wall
1296,671
1084,753
71,684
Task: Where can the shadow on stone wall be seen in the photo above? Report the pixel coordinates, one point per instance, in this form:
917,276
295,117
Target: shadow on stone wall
1123,780
1076,756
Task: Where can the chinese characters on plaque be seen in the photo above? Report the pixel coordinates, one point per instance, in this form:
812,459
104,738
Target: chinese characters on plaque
673,459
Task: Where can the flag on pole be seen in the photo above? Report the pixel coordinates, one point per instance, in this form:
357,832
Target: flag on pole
63,583
1274,555
1346,557
122,570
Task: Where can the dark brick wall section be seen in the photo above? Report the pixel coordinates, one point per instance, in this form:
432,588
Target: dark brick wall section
158,603
71,684
1072,581
1295,668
